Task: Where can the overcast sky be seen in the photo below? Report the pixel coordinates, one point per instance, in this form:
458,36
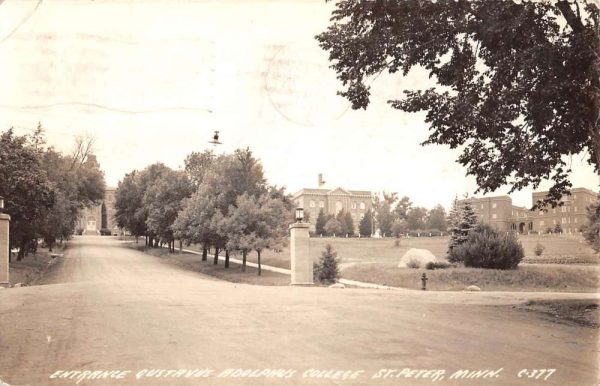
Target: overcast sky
152,80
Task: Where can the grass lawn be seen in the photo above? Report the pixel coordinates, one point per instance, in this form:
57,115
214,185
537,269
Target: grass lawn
33,266
233,273
555,278
581,312
559,249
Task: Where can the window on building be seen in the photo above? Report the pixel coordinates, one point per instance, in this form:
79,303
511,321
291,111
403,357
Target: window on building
554,210
481,206
362,205
312,203
542,223
362,215
564,220
494,205
574,209
494,215
354,205
575,220
321,204
338,207
563,209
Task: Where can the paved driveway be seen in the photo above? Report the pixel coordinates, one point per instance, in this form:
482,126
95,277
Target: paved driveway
111,308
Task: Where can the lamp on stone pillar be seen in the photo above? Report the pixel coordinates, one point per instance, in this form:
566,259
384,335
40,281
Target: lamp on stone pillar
299,214
4,252
302,264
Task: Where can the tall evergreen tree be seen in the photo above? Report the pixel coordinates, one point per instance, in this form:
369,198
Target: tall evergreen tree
349,223
591,231
365,227
321,221
462,220
341,218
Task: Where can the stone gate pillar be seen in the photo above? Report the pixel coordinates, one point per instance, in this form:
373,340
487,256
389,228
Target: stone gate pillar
302,263
4,222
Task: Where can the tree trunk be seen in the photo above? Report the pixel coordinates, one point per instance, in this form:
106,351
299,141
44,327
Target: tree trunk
216,260
259,266
136,239
244,253
9,251
227,258
180,246
22,248
204,253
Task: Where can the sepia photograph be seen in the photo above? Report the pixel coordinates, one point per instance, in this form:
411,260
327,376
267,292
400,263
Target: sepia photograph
307,192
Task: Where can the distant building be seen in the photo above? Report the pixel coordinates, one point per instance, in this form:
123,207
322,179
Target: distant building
101,216
502,214
332,201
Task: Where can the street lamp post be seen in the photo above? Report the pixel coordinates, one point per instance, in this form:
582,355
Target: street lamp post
4,242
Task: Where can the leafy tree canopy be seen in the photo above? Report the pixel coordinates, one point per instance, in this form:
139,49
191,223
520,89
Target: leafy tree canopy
517,84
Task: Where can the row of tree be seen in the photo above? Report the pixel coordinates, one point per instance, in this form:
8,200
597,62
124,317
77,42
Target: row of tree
392,216
219,202
396,216
45,190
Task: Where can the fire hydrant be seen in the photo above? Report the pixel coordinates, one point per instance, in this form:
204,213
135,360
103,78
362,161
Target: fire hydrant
424,282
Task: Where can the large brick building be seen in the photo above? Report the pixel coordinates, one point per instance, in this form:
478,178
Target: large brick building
502,214
91,220
332,201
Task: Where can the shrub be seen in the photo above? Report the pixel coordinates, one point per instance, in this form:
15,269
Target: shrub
105,232
413,263
397,242
539,249
486,247
437,265
326,270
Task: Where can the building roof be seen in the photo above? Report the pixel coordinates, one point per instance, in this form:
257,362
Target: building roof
573,190
330,192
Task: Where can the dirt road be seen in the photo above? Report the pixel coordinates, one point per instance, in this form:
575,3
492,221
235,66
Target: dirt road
109,308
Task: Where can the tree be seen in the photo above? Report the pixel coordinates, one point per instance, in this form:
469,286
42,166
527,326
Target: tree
163,202
346,222
436,218
193,222
137,186
416,218
365,227
333,227
320,224
402,207
385,217
326,270
271,226
242,226
462,221
128,201
205,217
349,221
517,84
591,231
197,165
399,227
27,192
486,247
